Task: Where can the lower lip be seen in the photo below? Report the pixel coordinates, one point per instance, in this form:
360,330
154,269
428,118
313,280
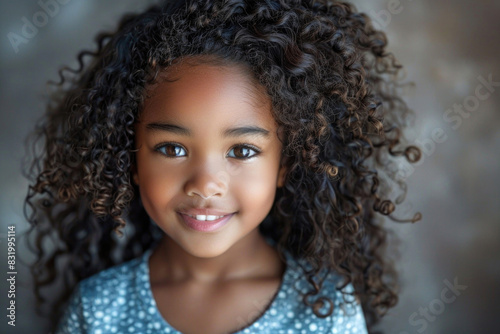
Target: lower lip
205,226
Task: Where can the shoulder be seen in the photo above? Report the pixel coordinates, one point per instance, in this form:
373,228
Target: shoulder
347,313
104,299
347,316
112,281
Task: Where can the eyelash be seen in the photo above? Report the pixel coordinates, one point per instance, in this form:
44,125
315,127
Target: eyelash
158,148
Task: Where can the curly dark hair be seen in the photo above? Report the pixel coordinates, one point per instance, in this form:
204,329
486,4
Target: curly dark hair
334,91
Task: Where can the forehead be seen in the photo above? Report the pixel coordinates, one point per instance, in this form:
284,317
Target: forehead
206,89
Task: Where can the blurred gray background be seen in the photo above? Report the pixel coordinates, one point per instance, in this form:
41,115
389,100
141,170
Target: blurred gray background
450,50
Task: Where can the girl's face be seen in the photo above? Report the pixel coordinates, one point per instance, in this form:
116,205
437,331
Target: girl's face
207,141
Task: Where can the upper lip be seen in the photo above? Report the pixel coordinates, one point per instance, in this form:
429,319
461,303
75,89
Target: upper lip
204,212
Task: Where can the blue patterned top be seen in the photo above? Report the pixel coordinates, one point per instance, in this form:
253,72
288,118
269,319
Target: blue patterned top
119,300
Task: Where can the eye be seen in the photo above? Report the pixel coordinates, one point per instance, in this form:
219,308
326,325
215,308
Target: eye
171,150
243,152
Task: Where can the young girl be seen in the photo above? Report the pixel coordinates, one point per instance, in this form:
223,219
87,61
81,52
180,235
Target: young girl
222,167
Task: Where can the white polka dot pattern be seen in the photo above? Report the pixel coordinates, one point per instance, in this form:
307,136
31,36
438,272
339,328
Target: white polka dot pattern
119,300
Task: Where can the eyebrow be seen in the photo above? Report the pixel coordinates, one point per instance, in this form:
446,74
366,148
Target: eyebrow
231,132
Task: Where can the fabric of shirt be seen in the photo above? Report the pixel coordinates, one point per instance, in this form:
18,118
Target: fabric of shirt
119,300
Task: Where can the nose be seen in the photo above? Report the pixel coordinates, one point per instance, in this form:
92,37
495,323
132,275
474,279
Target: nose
207,181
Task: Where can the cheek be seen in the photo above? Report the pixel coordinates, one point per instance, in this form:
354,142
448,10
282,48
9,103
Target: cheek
157,185
256,187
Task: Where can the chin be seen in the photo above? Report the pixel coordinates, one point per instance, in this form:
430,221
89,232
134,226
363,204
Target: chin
202,246
206,252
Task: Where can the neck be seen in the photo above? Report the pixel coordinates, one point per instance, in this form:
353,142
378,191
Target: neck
248,257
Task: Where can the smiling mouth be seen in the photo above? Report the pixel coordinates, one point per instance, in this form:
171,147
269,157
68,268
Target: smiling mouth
205,223
206,217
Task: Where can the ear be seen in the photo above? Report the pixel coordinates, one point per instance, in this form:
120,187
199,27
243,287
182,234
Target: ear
135,176
281,176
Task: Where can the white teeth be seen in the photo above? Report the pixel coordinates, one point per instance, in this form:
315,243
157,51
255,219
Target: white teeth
204,217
